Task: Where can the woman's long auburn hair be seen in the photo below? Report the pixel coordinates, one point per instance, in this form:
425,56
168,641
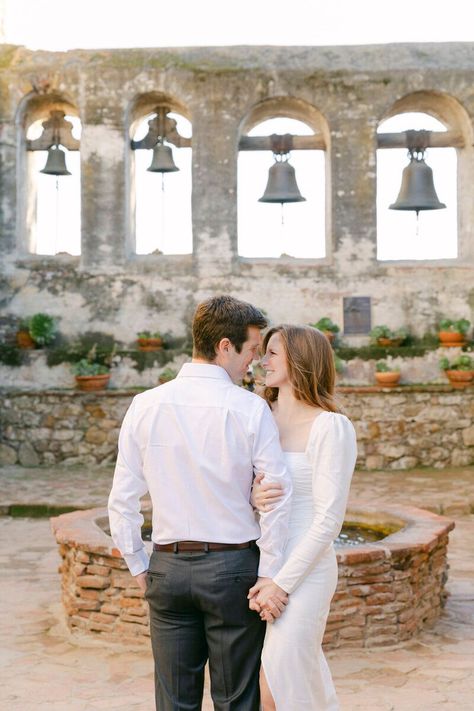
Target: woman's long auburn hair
310,363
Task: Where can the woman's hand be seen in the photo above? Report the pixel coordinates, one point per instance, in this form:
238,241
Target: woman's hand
265,494
268,599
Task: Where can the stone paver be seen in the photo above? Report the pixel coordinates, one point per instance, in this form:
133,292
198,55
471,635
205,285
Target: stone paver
42,669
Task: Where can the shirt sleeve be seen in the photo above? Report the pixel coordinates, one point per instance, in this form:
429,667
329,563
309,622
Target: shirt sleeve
268,459
128,487
332,452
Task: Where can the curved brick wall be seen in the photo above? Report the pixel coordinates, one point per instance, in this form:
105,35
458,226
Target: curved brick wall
387,591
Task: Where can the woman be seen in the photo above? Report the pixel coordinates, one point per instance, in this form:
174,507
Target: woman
320,449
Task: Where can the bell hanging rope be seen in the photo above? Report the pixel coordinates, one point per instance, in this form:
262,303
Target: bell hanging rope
281,185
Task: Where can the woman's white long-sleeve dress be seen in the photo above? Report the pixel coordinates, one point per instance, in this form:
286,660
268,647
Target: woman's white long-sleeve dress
293,661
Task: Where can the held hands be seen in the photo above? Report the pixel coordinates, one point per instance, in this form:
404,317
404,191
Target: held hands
265,494
268,599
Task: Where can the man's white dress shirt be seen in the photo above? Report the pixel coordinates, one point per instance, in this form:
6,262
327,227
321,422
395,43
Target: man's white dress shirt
195,443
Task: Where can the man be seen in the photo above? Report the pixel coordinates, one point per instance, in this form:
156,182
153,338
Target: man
195,443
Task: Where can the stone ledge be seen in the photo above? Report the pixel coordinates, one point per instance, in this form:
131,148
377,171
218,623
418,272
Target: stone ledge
120,392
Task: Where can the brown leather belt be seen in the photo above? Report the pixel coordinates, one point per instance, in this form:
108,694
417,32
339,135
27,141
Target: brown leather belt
188,546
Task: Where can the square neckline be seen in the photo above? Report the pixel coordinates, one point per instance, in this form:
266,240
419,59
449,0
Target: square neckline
303,451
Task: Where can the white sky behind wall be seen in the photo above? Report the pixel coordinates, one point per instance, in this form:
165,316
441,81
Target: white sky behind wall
59,25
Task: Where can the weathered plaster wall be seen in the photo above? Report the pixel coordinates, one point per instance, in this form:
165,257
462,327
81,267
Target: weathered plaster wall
34,372
110,289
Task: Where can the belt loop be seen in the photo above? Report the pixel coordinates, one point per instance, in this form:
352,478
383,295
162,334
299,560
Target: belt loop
175,548
206,547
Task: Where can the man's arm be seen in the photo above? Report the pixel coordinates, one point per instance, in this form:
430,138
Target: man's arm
128,487
268,459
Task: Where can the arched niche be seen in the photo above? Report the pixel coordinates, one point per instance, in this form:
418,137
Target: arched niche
455,136
299,230
159,207
48,215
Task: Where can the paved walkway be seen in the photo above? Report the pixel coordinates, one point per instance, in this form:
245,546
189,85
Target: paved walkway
42,670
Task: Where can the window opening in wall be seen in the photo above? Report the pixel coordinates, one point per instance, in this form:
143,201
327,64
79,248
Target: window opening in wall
400,235
163,199
54,212
261,230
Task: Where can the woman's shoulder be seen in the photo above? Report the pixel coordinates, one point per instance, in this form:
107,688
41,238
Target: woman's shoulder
332,418
335,423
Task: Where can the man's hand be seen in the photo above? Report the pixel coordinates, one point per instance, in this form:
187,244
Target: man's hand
267,598
141,580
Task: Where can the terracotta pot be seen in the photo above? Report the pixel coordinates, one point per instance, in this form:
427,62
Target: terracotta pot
24,340
150,344
460,378
330,335
387,380
92,383
394,342
449,339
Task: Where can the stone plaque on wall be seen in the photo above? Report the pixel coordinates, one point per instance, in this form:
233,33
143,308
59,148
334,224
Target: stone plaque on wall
356,314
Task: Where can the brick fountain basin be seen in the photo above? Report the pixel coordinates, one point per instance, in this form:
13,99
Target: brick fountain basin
388,590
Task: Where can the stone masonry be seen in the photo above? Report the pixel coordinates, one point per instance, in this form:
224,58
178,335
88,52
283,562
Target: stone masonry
408,427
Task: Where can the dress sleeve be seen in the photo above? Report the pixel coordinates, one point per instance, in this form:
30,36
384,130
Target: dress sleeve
332,451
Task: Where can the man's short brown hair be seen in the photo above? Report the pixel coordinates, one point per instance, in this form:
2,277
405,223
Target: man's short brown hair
223,317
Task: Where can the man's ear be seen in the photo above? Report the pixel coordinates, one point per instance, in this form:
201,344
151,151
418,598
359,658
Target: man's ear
223,346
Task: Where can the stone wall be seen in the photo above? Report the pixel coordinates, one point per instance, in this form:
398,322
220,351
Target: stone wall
410,426
387,591
353,89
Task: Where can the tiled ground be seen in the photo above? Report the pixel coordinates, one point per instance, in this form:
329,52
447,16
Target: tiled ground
42,670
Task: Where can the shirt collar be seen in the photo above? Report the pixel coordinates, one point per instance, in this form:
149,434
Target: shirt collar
203,370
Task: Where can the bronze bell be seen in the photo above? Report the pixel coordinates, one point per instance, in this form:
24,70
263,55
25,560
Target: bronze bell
417,191
162,161
281,186
55,162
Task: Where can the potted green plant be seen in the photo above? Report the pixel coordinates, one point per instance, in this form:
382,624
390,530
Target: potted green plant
384,336
459,371
23,337
91,376
37,330
166,375
148,341
385,375
453,332
328,327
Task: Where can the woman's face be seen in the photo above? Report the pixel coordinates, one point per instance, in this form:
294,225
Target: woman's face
274,363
